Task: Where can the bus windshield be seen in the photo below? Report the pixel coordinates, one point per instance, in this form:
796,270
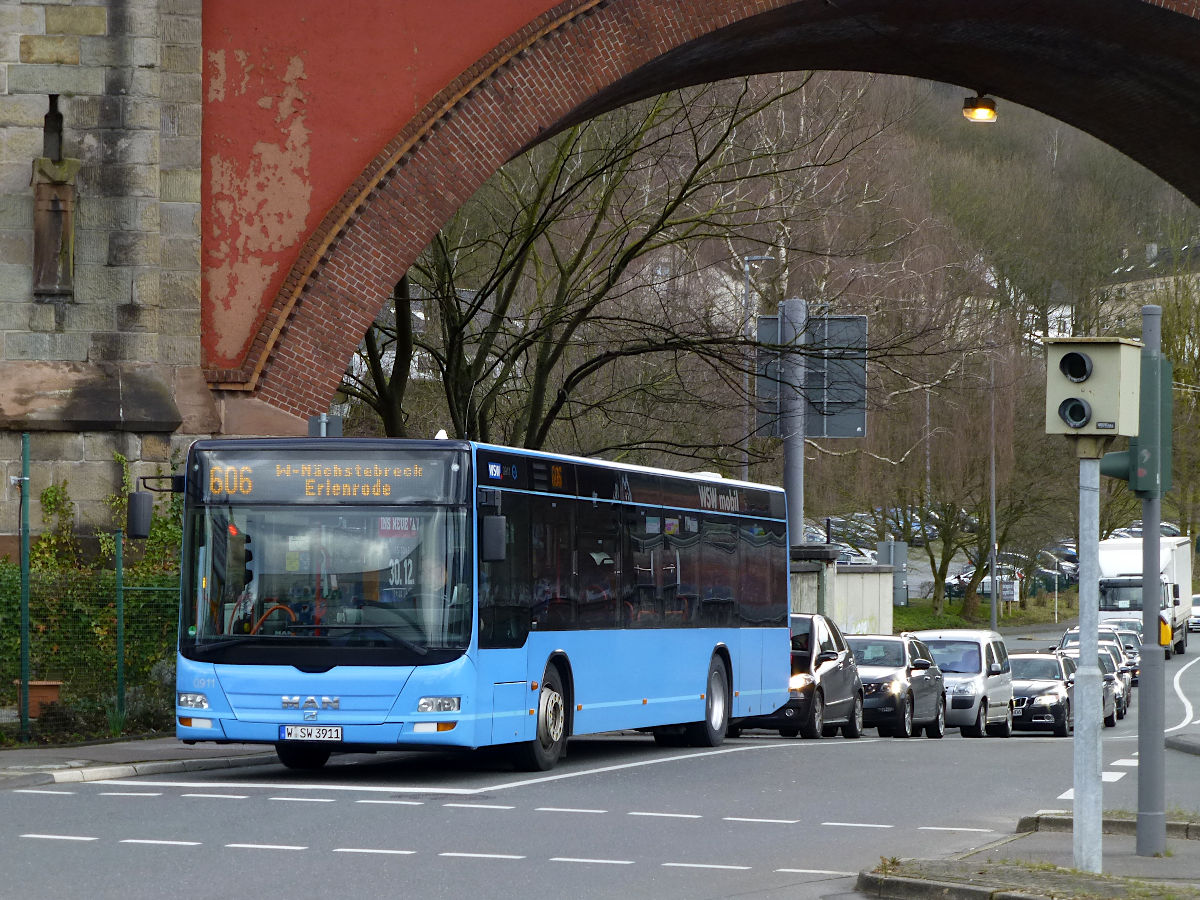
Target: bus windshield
331,584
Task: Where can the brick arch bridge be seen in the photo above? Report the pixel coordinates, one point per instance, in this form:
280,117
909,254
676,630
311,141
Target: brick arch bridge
334,153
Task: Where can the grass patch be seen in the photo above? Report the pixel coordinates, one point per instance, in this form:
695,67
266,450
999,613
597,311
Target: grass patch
1039,610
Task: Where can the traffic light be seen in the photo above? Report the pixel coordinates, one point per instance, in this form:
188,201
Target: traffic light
1146,465
1092,386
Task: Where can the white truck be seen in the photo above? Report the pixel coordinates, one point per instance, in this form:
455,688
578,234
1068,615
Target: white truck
1121,584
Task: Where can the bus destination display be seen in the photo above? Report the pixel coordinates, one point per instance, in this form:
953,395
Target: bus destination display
293,478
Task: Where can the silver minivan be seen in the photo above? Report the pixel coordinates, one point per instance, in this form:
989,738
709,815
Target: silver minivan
979,695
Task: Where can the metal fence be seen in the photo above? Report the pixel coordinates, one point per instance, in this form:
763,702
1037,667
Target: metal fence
73,655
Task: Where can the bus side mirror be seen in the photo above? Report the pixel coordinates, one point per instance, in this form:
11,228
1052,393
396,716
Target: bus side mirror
494,539
139,514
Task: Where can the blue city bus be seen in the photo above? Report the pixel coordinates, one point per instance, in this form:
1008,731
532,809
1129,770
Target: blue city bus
369,594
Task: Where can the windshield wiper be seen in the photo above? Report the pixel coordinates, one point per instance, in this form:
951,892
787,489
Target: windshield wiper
382,629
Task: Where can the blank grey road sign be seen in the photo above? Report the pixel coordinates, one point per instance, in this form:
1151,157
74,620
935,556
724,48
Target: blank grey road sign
835,377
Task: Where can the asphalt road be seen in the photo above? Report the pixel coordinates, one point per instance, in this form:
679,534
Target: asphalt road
620,817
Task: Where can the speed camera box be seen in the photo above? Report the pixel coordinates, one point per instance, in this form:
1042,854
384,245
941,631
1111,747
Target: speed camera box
1092,386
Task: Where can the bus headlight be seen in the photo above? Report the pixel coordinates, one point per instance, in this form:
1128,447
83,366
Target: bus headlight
439,704
189,700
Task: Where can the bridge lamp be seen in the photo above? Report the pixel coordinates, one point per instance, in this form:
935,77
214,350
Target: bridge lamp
979,109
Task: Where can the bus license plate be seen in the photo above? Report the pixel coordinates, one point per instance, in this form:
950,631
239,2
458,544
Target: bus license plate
310,732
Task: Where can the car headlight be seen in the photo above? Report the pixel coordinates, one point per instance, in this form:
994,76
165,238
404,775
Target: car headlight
894,687
189,700
799,682
963,688
1049,699
439,704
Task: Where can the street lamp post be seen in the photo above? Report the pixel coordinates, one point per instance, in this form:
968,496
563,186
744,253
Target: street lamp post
1056,571
746,414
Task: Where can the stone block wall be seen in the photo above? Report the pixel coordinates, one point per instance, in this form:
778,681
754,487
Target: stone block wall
110,364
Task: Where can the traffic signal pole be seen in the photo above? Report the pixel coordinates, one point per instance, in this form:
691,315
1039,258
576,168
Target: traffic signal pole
1152,792
1088,804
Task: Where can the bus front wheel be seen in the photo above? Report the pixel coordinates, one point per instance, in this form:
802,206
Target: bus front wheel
711,731
302,756
550,739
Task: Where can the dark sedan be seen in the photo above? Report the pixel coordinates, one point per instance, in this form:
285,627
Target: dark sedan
825,693
903,688
1043,691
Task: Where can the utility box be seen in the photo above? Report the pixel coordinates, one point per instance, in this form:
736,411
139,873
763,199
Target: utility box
1092,386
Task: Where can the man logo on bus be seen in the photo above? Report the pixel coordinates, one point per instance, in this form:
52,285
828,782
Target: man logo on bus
495,470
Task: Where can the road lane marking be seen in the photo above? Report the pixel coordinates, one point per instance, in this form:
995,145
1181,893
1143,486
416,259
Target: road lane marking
566,809
477,806
160,843
1068,794
666,815
266,846
763,821
705,866
130,793
483,855
60,837
305,799
816,872
36,791
857,825
795,746
599,862
943,828
394,802
218,796
371,850
243,785
1187,705
1132,763
1112,776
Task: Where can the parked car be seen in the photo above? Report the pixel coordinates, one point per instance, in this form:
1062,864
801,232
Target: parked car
1043,692
903,689
1124,680
1133,650
1109,685
978,679
825,692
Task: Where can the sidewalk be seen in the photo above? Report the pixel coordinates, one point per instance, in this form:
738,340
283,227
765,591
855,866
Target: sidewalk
27,766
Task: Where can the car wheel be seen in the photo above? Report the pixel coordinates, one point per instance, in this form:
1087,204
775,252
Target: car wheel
550,735
789,732
302,756
885,730
1111,721
854,727
711,731
815,726
1062,727
904,719
975,730
937,727
1003,728
1121,709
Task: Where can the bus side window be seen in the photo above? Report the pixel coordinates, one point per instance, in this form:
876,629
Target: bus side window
504,613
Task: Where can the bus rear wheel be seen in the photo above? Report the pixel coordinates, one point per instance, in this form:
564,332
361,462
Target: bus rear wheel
711,731
550,738
302,756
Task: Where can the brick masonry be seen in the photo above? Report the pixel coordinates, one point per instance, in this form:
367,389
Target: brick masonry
1104,72
129,77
